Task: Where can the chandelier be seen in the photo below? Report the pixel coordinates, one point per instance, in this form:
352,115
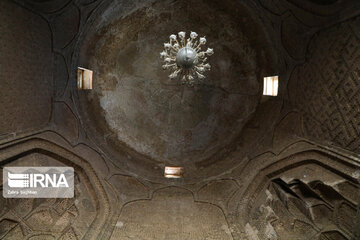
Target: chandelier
185,58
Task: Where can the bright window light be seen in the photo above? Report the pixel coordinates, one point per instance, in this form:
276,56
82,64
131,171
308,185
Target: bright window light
271,85
84,80
174,172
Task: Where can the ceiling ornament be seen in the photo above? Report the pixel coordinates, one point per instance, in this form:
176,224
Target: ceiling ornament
186,59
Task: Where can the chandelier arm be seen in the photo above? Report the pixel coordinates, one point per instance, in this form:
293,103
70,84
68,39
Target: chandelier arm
173,51
177,42
198,47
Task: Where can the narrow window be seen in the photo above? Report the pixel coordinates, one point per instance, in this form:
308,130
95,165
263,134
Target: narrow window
174,172
84,80
271,85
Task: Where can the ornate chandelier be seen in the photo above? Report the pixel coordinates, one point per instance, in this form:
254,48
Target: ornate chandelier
185,58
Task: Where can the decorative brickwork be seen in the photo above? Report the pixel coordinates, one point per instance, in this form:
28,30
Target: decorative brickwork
326,87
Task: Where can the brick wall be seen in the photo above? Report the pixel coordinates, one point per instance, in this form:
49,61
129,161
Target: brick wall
326,87
25,69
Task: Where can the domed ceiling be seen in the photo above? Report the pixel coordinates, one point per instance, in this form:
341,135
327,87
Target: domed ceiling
136,108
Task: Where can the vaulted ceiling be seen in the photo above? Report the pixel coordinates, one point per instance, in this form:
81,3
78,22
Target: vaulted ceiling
256,167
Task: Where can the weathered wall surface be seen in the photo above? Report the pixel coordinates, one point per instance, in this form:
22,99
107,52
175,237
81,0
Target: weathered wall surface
326,87
162,119
175,209
304,192
282,179
53,218
25,69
